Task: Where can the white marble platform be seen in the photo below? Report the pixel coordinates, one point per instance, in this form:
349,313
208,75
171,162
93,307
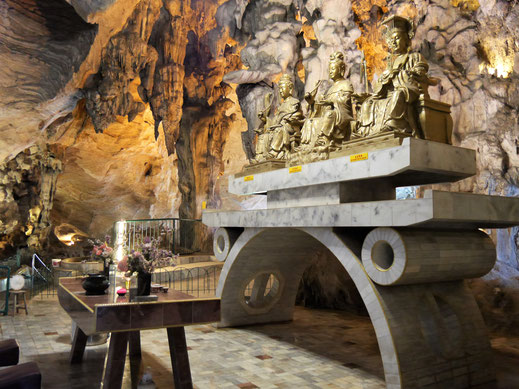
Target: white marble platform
415,162
436,210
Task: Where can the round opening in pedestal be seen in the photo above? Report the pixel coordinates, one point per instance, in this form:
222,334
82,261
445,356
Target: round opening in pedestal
220,243
382,255
262,291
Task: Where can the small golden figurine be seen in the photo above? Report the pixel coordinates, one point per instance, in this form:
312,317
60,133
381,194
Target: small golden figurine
392,105
278,135
330,116
263,139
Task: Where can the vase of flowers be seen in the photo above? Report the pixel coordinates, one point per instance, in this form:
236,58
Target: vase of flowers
143,284
144,260
101,251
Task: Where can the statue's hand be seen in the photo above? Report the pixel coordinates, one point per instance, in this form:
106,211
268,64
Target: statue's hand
361,97
262,116
322,100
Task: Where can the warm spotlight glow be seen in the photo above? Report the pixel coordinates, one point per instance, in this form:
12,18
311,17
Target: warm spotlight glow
371,42
119,240
499,57
468,5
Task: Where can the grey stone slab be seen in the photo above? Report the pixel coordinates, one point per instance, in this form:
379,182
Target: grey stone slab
334,193
415,162
308,195
436,210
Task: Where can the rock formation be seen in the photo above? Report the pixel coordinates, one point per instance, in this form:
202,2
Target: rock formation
27,188
129,86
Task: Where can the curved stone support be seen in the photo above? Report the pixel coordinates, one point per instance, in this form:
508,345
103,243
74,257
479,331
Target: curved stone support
394,256
223,240
430,335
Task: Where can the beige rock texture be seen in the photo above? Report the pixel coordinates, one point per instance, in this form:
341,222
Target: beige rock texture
108,99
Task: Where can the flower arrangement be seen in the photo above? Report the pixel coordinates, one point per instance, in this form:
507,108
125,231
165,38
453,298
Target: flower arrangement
101,251
147,257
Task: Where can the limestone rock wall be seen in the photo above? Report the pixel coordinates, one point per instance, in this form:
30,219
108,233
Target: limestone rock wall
42,45
113,110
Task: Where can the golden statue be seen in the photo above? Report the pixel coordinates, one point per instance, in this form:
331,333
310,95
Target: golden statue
277,136
263,139
330,116
392,105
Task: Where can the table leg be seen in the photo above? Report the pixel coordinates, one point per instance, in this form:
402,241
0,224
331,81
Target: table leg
179,358
114,366
78,345
135,357
135,344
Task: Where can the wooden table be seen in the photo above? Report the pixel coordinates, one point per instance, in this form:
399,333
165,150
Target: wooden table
124,320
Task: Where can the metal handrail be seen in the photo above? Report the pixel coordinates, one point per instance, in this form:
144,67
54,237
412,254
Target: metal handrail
33,269
151,227
5,311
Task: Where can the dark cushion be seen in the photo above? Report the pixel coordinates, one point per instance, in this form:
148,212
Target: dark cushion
9,352
23,376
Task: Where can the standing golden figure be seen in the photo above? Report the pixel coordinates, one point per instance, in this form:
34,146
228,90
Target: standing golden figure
263,138
392,105
277,136
330,116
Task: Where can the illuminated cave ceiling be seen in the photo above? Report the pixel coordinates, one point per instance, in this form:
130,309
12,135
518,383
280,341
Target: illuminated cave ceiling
100,80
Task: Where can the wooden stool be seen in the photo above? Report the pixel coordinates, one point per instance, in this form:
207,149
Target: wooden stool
17,305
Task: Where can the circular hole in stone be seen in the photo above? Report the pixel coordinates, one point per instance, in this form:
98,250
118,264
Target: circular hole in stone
220,243
262,290
382,255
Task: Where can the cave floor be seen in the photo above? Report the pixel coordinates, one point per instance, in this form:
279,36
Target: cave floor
319,349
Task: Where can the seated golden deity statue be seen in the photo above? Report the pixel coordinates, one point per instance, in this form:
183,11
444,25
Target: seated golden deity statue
330,116
392,105
278,135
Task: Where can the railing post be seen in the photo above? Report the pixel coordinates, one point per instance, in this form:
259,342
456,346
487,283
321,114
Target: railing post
32,275
5,312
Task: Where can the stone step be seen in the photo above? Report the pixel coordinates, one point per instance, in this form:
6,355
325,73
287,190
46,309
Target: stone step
414,162
436,210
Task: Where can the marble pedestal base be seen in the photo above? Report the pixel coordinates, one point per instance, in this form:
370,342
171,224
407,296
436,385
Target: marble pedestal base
415,253
430,335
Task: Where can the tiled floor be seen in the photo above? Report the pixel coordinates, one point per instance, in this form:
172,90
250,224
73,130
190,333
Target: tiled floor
319,349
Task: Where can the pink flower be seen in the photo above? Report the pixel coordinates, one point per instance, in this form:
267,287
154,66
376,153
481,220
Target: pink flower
123,264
